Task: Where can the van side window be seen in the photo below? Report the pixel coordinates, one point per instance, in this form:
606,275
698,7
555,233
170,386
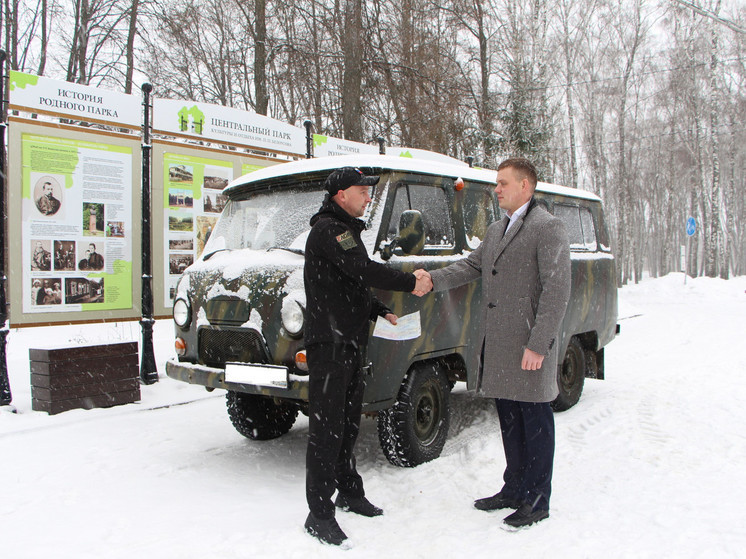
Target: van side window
479,212
431,202
579,224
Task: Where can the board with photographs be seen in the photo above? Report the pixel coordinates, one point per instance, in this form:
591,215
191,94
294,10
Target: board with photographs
192,201
190,183
74,209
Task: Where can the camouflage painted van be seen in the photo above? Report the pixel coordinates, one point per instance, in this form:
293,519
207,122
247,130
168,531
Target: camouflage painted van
239,309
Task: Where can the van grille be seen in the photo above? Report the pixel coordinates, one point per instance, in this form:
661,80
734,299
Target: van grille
216,347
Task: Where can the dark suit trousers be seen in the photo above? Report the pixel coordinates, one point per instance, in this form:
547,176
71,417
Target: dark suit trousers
336,389
528,439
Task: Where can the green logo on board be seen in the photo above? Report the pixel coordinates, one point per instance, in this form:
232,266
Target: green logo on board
193,118
319,140
20,80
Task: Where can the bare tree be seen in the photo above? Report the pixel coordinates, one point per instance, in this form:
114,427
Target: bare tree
478,18
526,111
573,19
44,38
352,51
130,51
653,127
26,28
307,69
196,51
95,46
256,21
715,257
420,98
260,57
11,8
628,28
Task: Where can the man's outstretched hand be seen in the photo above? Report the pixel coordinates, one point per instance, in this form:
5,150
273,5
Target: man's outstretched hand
424,283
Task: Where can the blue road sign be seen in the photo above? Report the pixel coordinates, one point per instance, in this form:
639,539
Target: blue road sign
691,226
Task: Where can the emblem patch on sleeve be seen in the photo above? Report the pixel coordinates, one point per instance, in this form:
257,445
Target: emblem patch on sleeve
346,240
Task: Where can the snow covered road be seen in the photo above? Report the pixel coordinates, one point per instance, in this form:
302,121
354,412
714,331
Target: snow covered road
650,463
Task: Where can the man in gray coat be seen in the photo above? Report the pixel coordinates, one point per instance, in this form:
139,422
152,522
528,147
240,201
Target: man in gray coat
524,263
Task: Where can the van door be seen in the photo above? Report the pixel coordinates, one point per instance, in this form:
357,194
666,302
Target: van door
391,360
449,320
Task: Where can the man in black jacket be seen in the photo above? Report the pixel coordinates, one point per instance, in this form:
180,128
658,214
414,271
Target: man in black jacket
339,305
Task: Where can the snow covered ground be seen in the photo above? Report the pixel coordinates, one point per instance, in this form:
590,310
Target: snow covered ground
650,463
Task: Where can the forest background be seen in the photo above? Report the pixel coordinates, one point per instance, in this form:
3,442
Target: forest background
639,101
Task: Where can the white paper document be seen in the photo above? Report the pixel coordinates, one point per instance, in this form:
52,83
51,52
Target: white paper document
407,327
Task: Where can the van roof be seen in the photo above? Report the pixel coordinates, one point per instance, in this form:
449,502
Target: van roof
376,164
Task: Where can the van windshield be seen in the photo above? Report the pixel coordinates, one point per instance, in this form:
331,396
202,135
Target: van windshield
275,219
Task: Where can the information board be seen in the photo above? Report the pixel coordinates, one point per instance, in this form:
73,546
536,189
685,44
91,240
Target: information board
76,205
188,198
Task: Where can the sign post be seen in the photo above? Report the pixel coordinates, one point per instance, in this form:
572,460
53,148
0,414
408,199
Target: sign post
5,396
691,228
148,368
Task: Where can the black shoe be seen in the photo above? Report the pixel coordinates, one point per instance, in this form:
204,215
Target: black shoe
524,516
497,501
358,505
327,531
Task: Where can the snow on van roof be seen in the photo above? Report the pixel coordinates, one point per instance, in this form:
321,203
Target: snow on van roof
566,191
390,163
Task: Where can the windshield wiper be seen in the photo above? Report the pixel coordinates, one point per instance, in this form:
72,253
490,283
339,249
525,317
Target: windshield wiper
208,256
293,250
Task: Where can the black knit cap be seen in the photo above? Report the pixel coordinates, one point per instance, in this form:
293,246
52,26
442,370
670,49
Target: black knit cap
345,177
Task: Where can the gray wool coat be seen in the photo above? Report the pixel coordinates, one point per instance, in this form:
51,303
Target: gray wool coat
525,288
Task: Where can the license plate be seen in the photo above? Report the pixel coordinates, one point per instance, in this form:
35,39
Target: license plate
258,375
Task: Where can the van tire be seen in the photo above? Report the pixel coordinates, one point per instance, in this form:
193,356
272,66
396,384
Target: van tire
414,430
259,418
570,376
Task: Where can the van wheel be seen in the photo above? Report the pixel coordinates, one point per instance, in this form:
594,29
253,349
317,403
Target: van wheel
414,429
259,418
570,376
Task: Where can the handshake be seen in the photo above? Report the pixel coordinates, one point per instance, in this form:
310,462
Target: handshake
424,283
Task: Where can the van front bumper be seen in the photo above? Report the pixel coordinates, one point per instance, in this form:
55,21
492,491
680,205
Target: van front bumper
212,377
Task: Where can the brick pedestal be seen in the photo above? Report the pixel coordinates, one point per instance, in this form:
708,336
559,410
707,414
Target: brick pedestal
96,376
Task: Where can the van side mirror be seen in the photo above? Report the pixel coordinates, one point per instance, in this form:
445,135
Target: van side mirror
411,232
411,238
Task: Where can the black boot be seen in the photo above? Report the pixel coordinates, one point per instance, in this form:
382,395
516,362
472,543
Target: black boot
525,516
497,501
327,531
358,505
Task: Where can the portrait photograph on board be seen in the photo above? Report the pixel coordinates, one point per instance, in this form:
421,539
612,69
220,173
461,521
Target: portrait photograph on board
48,195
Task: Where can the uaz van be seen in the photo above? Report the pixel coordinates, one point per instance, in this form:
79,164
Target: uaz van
239,309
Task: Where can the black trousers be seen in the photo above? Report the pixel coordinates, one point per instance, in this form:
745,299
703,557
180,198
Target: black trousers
335,403
528,439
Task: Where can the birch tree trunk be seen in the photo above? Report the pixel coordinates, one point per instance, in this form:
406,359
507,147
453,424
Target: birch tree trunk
716,256
626,205
569,48
731,256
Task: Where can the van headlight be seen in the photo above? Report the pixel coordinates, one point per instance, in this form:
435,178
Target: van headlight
182,313
292,316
